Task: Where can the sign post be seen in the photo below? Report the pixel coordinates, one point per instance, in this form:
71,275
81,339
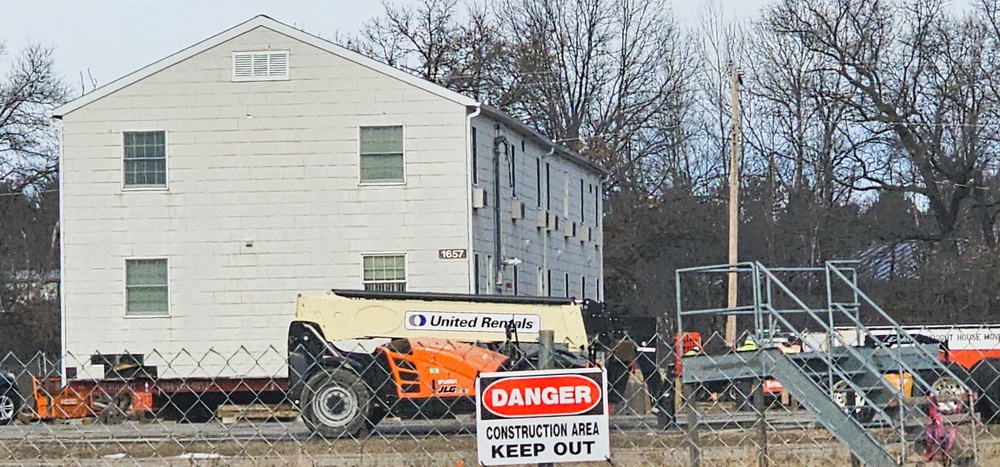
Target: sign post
539,416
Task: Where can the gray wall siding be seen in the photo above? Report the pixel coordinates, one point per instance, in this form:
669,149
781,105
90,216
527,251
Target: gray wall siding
275,163
522,239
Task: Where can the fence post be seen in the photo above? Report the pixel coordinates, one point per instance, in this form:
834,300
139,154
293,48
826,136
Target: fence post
694,443
760,407
546,340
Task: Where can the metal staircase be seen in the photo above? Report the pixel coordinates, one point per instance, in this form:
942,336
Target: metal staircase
848,376
816,400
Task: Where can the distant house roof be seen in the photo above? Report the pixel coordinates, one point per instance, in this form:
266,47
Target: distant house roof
323,44
29,275
891,260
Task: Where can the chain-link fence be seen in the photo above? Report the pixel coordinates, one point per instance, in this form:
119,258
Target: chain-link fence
386,411
408,402
820,375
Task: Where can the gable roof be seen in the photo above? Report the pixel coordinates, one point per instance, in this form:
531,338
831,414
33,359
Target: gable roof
276,26
322,44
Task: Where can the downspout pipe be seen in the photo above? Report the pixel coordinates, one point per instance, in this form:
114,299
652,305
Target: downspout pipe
468,198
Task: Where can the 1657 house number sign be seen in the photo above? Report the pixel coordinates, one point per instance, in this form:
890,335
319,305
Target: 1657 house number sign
453,254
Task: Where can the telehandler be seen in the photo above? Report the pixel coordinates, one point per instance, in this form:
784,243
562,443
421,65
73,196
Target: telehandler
357,356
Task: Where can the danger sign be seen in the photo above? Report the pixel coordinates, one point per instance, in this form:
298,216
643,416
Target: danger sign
526,417
553,395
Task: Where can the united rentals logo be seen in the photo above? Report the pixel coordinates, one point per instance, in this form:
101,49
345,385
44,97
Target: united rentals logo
416,321
470,322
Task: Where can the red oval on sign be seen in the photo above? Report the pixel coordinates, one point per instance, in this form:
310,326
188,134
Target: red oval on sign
541,395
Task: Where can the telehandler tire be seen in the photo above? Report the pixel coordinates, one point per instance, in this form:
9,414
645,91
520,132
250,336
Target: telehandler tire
336,403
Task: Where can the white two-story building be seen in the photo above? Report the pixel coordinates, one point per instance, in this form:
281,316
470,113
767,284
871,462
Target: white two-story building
201,193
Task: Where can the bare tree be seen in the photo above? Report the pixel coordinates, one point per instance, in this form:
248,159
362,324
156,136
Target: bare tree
856,112
914,79
416,39
608,78
439,41
28,141
28,205
795,126
719,49
560,48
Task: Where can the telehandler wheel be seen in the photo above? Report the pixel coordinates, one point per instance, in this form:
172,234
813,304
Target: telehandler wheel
336,404
375,415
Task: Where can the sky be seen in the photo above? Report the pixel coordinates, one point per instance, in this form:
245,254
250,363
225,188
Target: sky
108,39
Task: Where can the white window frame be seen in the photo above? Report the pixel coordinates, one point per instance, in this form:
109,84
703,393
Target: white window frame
491,276
358,158
125,312
166,160
565,199
406,268
269,77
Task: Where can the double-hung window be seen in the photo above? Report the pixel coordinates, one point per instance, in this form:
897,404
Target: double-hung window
384,273
147,292
145,159
382,154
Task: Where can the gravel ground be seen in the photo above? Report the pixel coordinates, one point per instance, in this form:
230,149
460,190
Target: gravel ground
792,440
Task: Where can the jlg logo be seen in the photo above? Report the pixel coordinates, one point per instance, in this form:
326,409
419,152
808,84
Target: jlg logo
541,396
448,390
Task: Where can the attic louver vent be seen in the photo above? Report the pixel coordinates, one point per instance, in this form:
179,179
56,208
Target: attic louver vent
260,66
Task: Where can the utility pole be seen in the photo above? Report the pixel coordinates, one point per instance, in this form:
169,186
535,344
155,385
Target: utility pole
734,201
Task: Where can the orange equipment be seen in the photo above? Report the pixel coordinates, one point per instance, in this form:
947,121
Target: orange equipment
430,367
